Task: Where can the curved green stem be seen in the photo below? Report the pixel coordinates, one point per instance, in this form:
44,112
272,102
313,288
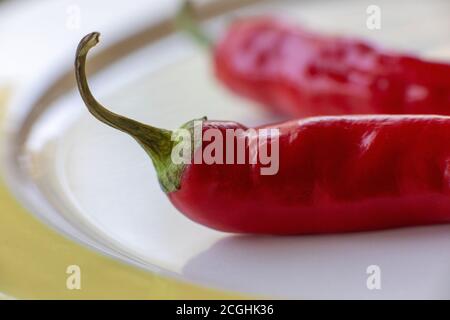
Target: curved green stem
156,142
185,21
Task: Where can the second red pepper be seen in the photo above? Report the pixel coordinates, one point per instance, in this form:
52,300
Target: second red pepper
300,73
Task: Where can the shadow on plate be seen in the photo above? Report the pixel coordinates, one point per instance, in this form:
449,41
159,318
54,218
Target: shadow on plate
414,263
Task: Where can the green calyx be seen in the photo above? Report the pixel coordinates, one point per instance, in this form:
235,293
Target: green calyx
158,143
185,21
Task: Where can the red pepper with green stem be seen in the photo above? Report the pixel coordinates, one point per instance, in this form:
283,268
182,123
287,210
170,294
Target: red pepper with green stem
335,174
301,73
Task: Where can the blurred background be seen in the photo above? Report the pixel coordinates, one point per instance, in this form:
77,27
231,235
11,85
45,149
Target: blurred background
36,35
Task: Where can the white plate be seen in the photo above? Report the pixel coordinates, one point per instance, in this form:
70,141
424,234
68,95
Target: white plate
97,186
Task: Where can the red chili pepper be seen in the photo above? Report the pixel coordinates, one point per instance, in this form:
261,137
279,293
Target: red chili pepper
301,73
336,174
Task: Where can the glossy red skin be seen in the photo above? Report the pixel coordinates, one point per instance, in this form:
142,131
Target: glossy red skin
300,73
336,174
